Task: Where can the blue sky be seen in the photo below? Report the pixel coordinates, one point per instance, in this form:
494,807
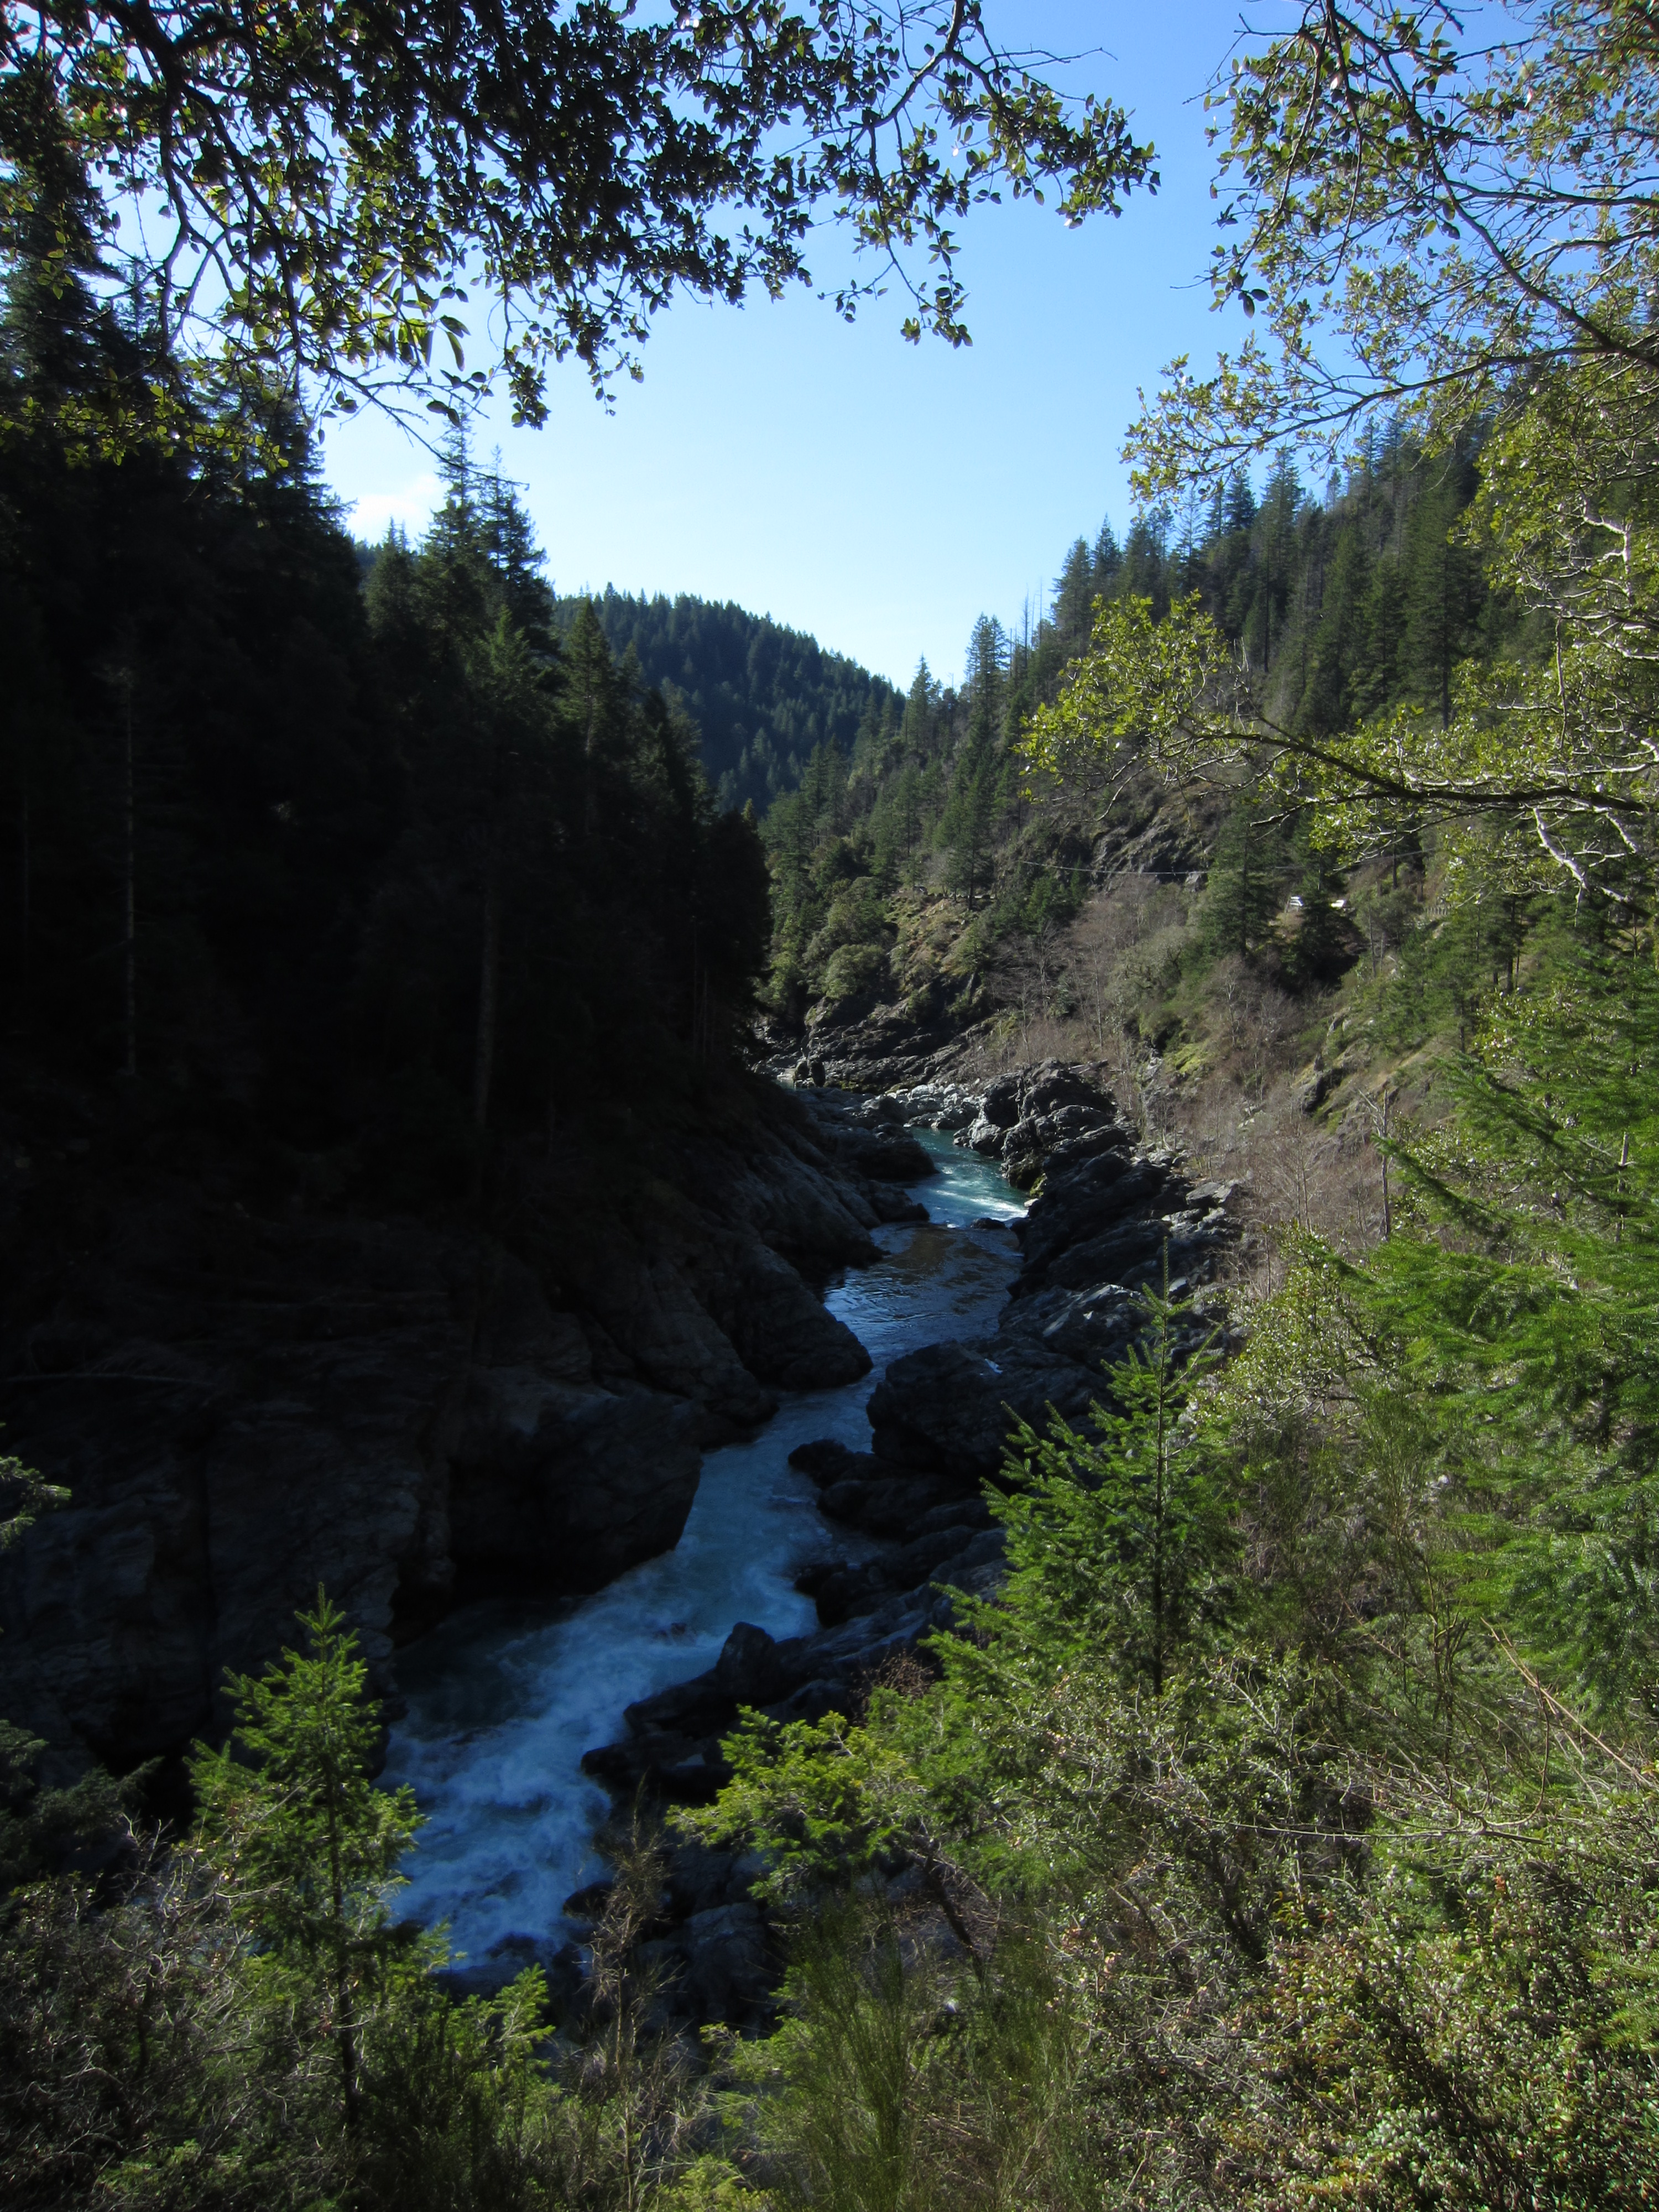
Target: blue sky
880,494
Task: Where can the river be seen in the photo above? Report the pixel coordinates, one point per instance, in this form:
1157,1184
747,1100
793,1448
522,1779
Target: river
504,1698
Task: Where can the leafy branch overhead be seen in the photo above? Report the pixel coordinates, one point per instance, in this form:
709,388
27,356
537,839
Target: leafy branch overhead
372,201
1445,227
1429,211
1565,747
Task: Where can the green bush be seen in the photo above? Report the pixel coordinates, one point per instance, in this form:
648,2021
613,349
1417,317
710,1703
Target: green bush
855,971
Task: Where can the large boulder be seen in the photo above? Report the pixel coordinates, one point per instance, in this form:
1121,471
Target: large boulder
649,1309
948,1409
1000,1105
1095,1196
867,1137
985,1137
559,1489
1036,1116
777,1329
937,1105
242,1410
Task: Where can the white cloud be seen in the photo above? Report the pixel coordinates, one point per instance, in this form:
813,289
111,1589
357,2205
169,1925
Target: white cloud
411,506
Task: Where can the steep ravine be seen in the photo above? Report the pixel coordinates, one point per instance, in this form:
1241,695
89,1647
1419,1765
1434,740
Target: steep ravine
798,1604
487,1442
247,1401
505,1698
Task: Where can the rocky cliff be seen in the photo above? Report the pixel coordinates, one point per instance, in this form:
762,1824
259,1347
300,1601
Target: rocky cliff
245,1404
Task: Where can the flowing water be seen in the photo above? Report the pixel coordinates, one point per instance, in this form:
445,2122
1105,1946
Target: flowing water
503,1699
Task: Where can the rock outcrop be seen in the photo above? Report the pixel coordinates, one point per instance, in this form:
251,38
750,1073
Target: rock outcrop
884,1050
1105,1224
871,1137
1052,1112
244,1407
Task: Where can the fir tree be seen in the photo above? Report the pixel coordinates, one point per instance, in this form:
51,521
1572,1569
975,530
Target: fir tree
1115,1540
1340,641
306,1846
1443,592
1108,560
1243,890
1074,596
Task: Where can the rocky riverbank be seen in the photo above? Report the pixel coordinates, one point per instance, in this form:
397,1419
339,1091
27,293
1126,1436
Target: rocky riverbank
244,1404
1104,1221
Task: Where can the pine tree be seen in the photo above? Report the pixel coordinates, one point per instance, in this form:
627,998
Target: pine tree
1320,950
593,699
1378,681
921,708
1341,639
1074,596
1109,561
969,814
823,790
1146,572
1444,592
984,682
965,825
1238,507
508,541
306,1846
1115,1540
1243,892
1273,541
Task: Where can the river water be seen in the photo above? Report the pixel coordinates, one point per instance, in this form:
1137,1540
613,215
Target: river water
503,1699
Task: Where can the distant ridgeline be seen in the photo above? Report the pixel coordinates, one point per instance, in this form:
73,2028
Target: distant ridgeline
764,697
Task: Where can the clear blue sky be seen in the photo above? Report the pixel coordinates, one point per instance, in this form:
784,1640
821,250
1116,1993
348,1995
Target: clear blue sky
880,495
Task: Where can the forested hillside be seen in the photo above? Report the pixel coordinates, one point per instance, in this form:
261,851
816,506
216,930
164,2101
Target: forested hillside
348,883
924,856
763,698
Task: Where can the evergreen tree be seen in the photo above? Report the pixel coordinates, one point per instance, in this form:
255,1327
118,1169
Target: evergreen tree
1114,1540
1243,891
509,544
1108,559
1442,591
1238,507
1322,947
920,707
594,700
306,1846
970,809
984,684
965,825
1146,571
1336,677
1274,547
1380,678
1074,597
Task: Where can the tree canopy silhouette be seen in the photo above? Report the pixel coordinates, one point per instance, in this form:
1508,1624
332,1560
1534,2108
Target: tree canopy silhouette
345,193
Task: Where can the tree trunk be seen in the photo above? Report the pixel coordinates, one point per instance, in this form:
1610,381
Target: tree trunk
25,897
484,1061
129,895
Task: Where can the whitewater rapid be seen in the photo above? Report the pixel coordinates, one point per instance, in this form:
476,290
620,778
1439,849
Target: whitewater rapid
504,1698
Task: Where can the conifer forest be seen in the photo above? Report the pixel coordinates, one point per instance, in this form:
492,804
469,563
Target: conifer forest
1143,1156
